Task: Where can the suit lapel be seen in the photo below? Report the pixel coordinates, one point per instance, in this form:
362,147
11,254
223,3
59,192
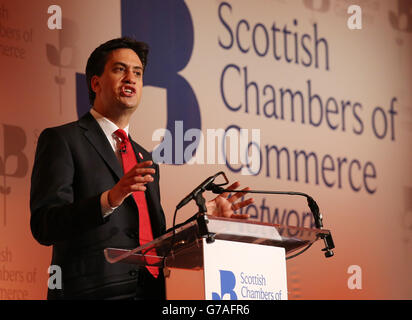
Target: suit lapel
99,142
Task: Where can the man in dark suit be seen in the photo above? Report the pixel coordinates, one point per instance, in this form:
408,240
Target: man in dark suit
81,200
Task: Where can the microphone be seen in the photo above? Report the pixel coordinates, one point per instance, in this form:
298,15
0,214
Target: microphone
122,147
205,185
313,206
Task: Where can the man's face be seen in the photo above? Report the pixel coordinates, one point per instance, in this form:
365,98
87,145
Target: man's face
120,85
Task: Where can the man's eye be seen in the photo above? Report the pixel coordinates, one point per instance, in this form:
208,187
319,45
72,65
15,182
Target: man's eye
119,69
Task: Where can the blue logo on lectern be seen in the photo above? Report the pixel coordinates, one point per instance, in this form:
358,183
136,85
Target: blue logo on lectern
227,286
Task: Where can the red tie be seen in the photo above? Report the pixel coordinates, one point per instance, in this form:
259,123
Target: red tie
145,229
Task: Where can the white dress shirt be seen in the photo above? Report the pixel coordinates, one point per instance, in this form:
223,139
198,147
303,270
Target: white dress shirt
109,129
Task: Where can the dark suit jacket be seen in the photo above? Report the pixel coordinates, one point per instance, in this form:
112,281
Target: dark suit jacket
74,165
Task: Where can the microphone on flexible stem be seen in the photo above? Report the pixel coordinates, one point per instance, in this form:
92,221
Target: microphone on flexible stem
327,239
313,206
196,195
205,185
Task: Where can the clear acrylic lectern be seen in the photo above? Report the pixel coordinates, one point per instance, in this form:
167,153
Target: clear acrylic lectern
181,252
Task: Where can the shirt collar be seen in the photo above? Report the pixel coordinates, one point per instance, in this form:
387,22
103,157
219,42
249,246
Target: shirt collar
107,126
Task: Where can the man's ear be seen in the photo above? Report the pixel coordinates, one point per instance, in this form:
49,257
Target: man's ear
95,83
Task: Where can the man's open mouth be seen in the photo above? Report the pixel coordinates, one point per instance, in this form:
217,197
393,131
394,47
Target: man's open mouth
128,91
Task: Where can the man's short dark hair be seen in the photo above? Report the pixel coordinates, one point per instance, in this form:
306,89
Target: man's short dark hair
98,58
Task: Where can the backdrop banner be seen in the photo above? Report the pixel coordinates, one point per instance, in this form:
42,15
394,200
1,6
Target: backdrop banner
299,95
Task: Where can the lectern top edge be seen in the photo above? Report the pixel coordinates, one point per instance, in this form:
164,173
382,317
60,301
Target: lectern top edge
210,227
